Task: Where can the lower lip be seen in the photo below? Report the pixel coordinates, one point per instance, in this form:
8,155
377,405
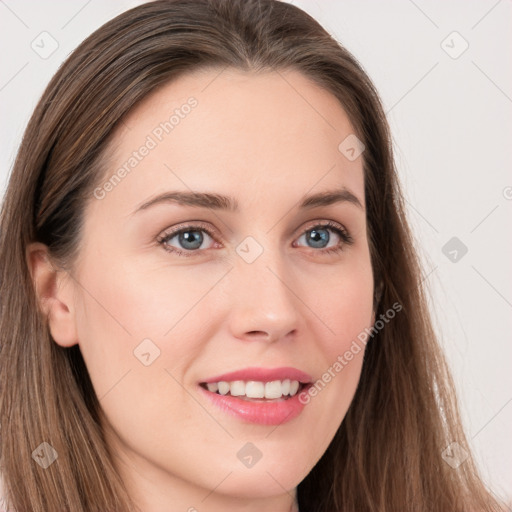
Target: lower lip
263,413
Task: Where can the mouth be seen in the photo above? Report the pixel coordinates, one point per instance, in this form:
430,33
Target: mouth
258,395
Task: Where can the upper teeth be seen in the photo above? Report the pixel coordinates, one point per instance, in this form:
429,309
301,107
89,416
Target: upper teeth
255,389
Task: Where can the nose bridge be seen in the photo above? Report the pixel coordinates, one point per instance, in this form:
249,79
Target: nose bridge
263,302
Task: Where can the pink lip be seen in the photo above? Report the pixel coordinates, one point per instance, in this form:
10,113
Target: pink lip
264,412
262,375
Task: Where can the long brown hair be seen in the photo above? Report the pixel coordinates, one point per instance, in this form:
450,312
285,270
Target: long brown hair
387,454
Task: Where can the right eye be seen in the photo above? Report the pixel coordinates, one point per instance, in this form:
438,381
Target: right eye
190,238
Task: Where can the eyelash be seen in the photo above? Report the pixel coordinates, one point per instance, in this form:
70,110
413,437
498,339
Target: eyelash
338,229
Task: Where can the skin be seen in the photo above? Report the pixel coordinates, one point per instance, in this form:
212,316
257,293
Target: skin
266,139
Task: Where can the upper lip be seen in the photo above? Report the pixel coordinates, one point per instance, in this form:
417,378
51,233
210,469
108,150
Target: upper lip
262,375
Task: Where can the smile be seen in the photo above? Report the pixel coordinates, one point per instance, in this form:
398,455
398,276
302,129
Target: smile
275,389
258,395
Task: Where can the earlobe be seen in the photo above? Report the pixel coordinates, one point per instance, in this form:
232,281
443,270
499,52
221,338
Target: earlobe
54,293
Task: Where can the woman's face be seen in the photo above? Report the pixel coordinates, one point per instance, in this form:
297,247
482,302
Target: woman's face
248,289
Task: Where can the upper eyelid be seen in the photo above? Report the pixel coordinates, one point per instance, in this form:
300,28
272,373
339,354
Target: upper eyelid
187,226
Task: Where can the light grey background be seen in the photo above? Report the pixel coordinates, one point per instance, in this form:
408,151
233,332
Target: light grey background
450,114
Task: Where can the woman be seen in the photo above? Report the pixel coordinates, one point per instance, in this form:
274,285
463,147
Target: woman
210,296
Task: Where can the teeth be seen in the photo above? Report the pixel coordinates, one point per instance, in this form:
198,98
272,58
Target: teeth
256,389
273,389
294,387
213,387
237,388
223,388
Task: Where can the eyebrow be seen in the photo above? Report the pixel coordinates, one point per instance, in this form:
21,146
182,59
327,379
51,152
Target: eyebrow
221,202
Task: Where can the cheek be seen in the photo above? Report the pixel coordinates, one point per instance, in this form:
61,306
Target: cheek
139,325
137,340
345,306
128,304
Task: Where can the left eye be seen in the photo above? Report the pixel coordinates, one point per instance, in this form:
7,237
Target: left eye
191,238
319,236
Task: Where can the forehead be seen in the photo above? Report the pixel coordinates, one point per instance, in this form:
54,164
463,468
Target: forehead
246,134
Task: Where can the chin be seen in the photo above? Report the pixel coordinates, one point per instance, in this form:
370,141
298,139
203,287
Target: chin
262,481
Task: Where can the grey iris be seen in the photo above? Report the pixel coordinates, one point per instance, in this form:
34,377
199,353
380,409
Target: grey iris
191,237
318,236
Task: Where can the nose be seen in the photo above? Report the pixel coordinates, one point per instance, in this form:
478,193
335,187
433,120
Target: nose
265,306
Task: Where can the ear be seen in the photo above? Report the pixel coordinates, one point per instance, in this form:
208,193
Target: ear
54,292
